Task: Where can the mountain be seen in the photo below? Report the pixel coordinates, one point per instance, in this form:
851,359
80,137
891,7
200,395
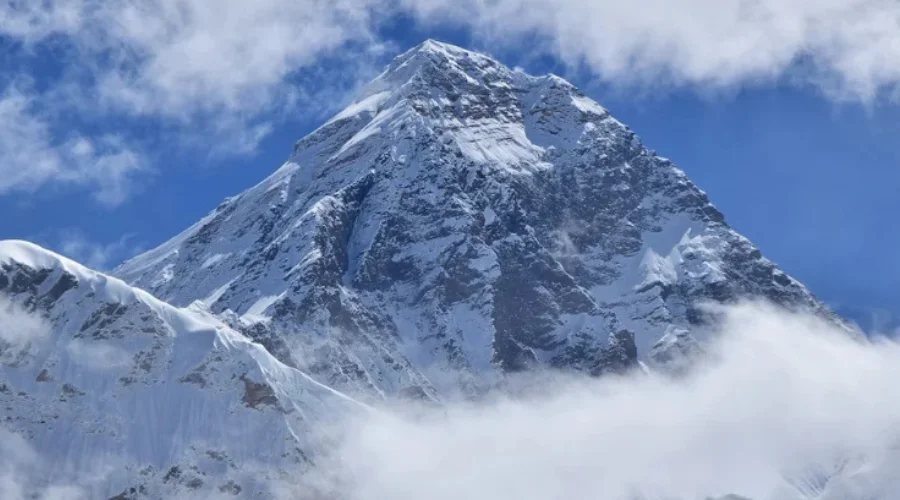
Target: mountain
125,396
458,221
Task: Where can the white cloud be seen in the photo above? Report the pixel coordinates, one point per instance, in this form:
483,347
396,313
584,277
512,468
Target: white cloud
788,408
21,468
218,75
32,157
787,398
21,332
32,22
183,58
179,58
848,48
191,55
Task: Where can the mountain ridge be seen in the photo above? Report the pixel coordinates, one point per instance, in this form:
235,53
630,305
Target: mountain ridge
120,393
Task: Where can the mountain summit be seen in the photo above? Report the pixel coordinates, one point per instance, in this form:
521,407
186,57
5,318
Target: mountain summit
457,221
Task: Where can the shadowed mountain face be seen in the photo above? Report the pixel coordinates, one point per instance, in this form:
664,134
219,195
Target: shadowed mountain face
457,221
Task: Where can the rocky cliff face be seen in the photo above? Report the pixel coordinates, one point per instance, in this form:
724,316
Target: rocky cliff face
460,220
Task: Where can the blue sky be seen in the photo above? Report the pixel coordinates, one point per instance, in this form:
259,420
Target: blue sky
120,126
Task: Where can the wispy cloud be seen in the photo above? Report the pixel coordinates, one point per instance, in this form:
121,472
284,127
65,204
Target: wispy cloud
23,473
787,407
850,49
191,61
21,332
177,57
32,22
32,155
210,76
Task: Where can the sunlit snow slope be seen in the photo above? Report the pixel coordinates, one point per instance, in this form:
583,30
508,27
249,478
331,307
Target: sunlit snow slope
119,393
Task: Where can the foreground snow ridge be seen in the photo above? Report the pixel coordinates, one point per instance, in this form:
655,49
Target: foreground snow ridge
116,387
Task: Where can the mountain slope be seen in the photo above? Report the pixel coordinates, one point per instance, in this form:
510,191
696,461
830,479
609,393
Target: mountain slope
457,221
118,392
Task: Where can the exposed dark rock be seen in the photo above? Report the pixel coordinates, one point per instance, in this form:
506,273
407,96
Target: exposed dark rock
71,390
173,474
44,376
193,378
256,394
231,488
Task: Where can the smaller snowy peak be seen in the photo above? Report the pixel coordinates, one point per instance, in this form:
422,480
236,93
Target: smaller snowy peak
28,254
93,370
27,266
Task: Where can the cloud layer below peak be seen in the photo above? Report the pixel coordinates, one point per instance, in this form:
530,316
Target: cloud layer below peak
787,408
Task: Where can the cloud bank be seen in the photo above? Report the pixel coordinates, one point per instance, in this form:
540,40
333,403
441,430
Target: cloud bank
788,408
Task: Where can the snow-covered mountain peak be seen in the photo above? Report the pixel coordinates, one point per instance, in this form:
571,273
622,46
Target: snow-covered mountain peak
463,97
432,62
26,254
460,220
61,272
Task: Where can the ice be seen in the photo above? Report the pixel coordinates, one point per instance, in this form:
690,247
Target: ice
217,293
214,259
255,312
369,104
588,105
